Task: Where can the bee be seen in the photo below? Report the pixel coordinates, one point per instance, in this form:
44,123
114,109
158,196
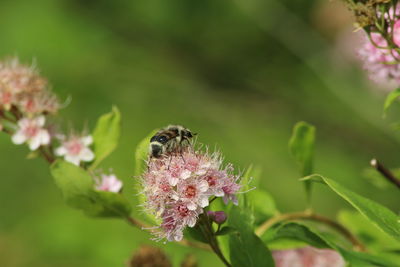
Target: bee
170,139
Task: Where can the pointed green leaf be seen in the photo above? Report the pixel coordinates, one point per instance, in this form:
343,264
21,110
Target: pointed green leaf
78,190
196,234
301,146
106,135
142,153
380,216
75,184
263,204
392,96
366,231
226,230
110,204
141,156
246,249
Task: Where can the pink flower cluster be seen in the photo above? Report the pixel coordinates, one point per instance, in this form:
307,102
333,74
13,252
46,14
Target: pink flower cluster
25,101
381,62
178,187
22,87
307,257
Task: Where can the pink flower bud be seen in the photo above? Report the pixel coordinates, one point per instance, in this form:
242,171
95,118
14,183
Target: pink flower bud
220,217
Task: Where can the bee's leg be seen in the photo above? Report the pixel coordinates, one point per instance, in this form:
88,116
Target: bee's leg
170,159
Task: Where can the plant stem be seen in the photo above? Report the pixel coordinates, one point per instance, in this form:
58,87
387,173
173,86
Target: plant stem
208,232
311,217
385,172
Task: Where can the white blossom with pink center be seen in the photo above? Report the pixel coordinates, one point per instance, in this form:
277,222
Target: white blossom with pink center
109,183
178,187
31,131
307,257
76,149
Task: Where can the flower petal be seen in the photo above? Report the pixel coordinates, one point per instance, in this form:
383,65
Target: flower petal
73,159
18,138
40,121
191,206
204,202
87,140
86,154
60,151
44,137
34,142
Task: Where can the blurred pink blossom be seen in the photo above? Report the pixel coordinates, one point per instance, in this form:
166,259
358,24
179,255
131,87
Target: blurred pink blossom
307,257
380,61
22,86
76,149
32,132
109,183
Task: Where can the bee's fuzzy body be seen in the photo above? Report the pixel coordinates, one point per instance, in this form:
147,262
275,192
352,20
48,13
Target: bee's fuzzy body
170,139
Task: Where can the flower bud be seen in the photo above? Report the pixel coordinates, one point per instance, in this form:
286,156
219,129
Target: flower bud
220,217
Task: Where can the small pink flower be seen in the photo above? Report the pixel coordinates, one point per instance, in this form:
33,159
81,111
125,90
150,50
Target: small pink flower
109,183
32,132
396,33
178,188
307,257
75,149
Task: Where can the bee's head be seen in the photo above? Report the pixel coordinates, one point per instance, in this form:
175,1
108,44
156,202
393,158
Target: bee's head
157,147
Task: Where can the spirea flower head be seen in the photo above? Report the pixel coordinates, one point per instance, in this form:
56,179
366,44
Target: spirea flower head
22,86
31,131
178,187
307,257
109,183
76,149
380,61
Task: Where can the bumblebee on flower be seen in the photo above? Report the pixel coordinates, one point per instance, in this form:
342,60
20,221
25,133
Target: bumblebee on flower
179,185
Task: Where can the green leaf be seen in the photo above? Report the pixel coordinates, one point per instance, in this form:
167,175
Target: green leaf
300,232
106,135
110,204
301,147
75,183
246,249
390,100
263,204
142,153
226,230
380,216
306,234
196,233
77,188
366,231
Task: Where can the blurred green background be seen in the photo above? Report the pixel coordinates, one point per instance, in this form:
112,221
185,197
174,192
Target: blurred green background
240,73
